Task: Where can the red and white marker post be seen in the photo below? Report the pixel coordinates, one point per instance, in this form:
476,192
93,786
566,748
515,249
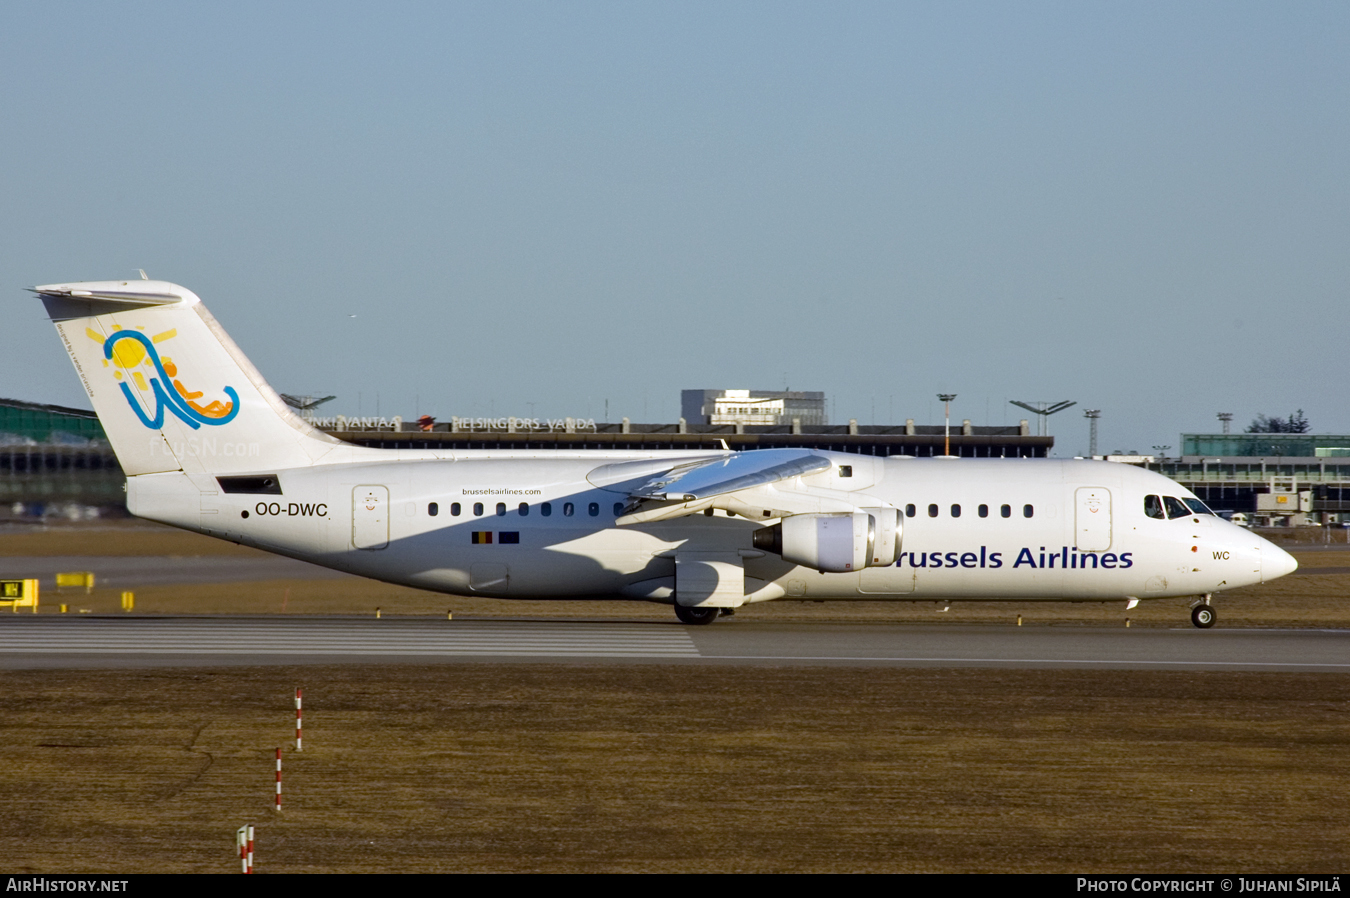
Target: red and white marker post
278,781
244,838
297,720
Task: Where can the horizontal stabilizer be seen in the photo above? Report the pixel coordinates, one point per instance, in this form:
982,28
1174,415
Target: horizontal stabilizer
111,293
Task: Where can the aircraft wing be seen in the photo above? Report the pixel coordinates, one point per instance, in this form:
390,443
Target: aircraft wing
714,477
745,483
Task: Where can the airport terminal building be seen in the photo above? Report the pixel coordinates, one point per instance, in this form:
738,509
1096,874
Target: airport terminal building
1276,479
753,407
56,460
919,441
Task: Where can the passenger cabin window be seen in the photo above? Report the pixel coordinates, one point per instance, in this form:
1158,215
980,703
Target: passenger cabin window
984,511
618,509
454,509
501,509
1027,511
956,511
477,508
568,509
433,509
524,509
1005,510
1175,508
910,511
593,509
932,511
846,470
546,508
1153,507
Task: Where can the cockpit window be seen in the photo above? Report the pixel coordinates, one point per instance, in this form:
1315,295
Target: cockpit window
1197,507
1153,507
1175,508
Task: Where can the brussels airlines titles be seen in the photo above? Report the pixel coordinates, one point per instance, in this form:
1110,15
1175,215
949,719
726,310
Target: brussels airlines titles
1065,559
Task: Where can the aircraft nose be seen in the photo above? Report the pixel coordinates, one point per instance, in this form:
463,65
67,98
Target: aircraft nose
1275,562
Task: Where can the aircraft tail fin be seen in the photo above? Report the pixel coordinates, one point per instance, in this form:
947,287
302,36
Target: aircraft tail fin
172,390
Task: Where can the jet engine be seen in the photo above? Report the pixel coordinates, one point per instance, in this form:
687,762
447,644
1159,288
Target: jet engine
836,543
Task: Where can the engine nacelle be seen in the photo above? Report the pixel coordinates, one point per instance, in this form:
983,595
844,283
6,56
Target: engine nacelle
837,543
827,542
888,529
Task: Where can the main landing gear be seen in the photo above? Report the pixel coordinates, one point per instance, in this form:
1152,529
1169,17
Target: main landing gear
699,616
1202,614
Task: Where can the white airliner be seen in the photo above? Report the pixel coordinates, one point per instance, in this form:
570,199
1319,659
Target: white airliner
208,446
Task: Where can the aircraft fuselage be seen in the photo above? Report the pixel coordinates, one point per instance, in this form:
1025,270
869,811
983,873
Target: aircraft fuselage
496,524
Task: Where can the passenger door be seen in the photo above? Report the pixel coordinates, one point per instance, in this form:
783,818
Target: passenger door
1092,528
370,517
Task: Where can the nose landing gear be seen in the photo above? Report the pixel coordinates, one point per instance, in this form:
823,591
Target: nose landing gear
1202,614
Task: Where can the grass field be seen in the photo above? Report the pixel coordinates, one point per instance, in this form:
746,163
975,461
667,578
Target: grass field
464,767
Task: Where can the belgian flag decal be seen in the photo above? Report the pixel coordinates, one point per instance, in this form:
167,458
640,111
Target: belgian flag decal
482,537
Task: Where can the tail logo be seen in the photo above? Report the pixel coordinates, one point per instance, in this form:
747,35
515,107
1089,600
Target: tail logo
130,352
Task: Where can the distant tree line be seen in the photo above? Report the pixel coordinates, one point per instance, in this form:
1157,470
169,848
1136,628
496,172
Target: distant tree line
1295,423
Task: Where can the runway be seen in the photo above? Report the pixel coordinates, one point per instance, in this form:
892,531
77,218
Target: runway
119,642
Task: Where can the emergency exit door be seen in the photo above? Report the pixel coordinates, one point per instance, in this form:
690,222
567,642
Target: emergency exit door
1092,525
370,517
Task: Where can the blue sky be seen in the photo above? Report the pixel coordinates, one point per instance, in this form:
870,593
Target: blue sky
535,208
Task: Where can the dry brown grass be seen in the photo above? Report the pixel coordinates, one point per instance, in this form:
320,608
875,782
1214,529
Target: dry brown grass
563,767
128,537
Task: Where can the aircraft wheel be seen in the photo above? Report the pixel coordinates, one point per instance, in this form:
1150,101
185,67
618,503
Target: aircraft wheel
690,615
1202,616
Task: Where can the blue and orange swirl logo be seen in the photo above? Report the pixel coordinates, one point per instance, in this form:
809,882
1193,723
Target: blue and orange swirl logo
132,353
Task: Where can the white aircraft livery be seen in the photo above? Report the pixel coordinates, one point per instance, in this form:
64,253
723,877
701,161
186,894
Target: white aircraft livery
208,446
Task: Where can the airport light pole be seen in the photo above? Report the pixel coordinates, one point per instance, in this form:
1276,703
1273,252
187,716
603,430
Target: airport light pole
1227,419
1092,415
306,405
1045,410
1161,451
947,418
